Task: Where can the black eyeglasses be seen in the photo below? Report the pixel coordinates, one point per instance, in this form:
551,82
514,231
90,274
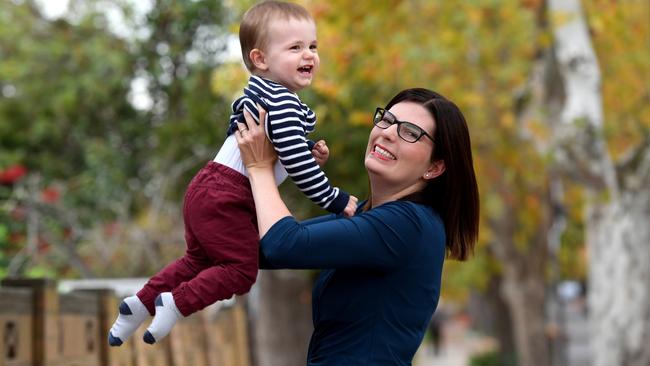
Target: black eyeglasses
408,131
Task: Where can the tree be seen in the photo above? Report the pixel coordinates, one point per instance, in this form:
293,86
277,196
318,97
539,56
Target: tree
65,130
616,178
66,116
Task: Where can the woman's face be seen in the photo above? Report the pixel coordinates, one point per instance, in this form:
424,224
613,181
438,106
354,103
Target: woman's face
392,160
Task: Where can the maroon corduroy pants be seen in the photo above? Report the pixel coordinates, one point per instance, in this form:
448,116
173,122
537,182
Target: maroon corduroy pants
222,240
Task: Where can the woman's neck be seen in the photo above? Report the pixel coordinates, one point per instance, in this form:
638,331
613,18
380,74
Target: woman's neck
381,194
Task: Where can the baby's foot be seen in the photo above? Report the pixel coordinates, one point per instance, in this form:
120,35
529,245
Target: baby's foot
166,316
132,314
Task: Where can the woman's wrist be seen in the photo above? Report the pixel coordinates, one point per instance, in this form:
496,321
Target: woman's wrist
261,165
268,204
255,171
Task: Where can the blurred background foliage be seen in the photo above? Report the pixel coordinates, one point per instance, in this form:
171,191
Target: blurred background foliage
101,129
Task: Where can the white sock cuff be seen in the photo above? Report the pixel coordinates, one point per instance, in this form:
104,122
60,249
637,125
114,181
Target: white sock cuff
169,303
136,306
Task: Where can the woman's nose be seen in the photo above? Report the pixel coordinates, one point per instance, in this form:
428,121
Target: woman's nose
390,132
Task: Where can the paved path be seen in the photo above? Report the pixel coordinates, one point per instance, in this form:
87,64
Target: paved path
459,344
578,351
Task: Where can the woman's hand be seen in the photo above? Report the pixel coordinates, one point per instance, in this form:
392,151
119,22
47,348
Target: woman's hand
256,150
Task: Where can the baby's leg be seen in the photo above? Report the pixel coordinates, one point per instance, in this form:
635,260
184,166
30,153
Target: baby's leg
216,283
156,293
167,315
136,309
182,270
132,313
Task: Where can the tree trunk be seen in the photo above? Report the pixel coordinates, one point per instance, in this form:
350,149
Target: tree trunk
618,200
280,318
490,315
523,285
526,299
619,236
524,292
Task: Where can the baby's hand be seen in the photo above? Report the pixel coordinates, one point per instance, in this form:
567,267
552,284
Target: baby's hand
351,207
321,153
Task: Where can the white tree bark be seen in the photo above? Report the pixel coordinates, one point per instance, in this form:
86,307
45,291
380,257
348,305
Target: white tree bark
618,207
618,234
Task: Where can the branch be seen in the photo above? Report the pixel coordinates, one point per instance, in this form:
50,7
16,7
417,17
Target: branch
634,167
576,157
580,133
643,171
68,219
37,214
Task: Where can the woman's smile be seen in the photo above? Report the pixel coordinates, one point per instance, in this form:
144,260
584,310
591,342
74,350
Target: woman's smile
382,153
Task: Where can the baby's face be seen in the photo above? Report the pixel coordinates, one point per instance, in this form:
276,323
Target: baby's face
291,54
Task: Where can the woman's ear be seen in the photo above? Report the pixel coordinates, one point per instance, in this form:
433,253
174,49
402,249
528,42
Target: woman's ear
258,59
435,170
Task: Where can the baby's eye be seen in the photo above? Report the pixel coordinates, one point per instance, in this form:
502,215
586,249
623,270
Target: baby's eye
296,47
313,47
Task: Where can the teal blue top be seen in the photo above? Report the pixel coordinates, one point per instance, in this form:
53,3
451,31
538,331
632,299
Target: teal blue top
380,282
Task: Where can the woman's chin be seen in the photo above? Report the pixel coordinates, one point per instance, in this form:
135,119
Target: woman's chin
374,165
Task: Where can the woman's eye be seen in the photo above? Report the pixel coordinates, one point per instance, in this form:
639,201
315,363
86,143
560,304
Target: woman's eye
412,133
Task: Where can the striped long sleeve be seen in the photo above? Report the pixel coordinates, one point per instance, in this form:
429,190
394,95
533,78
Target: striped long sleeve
287,124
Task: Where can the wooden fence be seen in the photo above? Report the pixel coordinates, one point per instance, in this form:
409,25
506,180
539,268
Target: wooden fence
40,327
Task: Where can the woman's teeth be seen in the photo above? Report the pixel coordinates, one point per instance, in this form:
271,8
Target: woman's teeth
384,153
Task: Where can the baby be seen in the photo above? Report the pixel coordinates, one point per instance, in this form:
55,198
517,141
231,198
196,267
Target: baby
279,48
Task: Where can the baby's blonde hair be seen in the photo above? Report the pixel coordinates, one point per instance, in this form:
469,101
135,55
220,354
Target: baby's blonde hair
254,27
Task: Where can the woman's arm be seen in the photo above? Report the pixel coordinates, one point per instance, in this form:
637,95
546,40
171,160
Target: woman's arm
383,238
259,156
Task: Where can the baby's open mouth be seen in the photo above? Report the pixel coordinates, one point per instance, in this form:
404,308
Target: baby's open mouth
306,69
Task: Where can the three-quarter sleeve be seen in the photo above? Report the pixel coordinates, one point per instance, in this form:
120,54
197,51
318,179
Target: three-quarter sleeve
382,238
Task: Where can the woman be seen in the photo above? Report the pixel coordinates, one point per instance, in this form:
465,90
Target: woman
383,266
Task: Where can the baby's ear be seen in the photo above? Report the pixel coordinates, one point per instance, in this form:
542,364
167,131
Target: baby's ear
258,59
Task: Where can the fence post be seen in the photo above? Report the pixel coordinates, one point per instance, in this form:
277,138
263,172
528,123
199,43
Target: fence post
111,356
79,319
15,326
104,297
45,308
188,341
241,327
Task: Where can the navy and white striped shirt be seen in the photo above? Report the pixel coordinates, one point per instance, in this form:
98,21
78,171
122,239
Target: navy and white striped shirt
287,124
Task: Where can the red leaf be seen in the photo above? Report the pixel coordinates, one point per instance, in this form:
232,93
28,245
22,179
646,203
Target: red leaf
12,174
50,195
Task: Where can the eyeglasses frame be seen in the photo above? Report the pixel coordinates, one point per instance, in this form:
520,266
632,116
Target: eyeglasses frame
399,123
